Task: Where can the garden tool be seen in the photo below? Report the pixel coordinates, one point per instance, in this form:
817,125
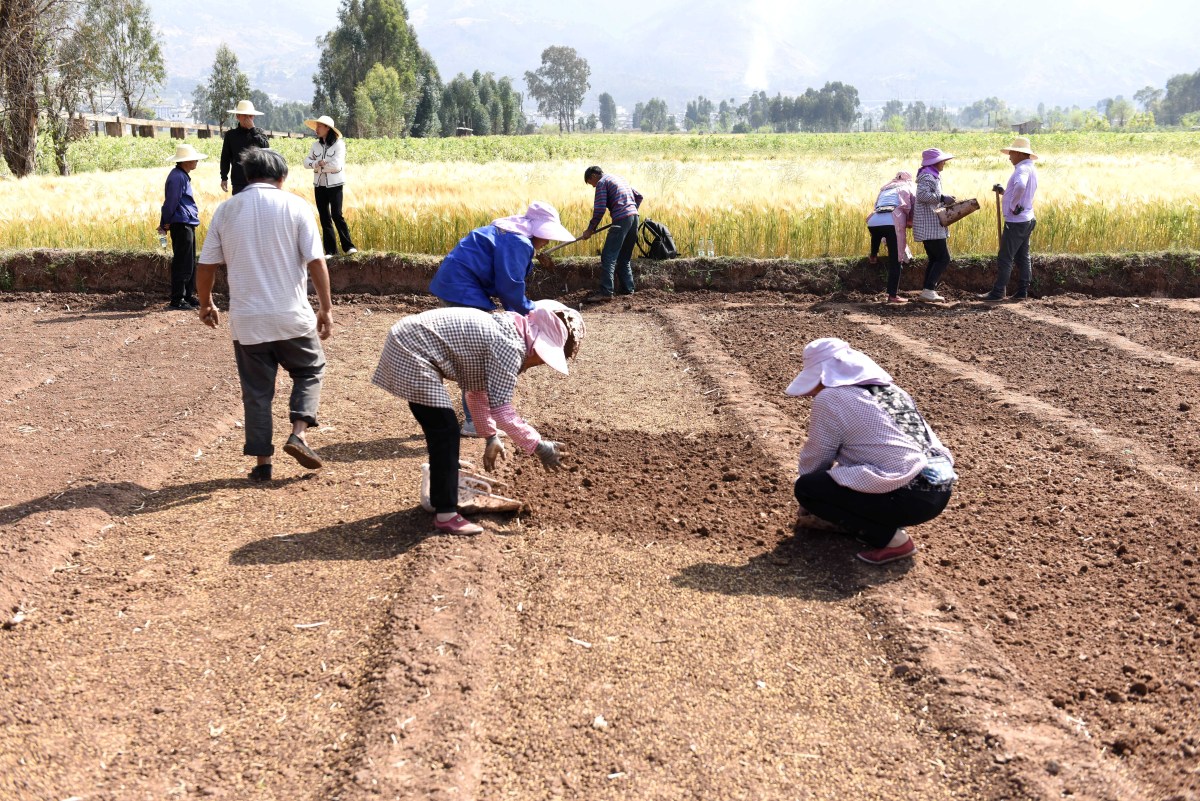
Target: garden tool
999,190
474,492
548,251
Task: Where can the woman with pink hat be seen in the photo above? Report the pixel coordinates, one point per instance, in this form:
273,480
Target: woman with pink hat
870,465
927,228
484,354
495,261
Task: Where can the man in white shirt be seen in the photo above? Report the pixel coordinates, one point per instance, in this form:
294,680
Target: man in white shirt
1019,222
270,245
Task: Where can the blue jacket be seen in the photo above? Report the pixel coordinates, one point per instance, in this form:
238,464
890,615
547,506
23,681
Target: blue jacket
179,206
486,263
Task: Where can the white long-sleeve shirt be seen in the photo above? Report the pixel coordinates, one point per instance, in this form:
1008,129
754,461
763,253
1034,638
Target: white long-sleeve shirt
1022,186
333,172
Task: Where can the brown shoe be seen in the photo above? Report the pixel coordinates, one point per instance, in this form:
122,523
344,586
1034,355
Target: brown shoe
597,297
298,449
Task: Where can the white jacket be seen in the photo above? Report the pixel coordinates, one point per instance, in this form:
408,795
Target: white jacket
334,156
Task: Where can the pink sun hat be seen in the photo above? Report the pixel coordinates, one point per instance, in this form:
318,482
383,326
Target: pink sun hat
831,362
540,220
546,334
934,156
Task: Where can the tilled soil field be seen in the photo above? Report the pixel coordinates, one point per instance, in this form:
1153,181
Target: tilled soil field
656,626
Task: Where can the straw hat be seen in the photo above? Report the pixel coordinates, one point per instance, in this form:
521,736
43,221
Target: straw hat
187,153
324,119
540,220
1020,145
246,107
831,362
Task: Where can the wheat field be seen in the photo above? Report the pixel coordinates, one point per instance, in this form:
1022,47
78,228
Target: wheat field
778,197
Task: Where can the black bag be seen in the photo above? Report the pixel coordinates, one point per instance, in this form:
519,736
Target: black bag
655,242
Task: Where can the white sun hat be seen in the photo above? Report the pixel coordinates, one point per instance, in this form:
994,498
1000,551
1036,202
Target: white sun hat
325,120
831,362
187,153
246,107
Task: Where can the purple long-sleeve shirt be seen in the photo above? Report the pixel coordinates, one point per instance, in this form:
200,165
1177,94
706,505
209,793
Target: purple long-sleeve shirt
617,197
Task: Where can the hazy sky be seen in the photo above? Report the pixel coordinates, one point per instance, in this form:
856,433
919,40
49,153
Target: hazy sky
1057,51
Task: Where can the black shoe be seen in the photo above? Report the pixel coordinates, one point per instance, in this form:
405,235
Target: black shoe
598,297
298,449
260,473
194,303
180,306
630,292
988,297
1018,298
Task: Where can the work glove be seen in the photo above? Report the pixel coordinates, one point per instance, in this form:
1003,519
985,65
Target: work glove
551,454
492,451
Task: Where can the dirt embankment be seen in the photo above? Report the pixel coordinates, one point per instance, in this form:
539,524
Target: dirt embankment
1168,274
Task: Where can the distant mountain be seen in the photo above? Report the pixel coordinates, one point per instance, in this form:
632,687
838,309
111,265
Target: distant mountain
941,52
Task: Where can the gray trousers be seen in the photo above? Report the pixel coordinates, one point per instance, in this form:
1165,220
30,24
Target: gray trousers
258,365
1014,246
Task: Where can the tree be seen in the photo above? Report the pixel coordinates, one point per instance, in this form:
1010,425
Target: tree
699,114
916,118
1148,97
383,103
125,48
371,32
1119,111
1182,97
653,117
227,84
559,84
608,112
66,82
29,30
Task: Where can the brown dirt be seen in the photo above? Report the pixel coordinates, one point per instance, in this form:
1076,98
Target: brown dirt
654,628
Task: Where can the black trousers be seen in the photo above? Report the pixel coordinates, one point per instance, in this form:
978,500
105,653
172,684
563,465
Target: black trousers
183,262
441,440
873,516
938,252
329,208
887,233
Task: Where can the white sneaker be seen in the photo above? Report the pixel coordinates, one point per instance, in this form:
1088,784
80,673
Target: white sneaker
929,294
351,250
468,430
328,256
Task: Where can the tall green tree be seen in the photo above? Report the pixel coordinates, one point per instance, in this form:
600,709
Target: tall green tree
371,32
125,48
67,82
383,103
1182,97
608,112
227,84
40,71
559,84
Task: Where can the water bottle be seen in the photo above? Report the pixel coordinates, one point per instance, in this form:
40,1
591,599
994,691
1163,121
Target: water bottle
711,251
162,241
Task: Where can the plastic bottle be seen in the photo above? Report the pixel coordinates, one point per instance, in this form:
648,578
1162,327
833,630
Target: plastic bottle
162,241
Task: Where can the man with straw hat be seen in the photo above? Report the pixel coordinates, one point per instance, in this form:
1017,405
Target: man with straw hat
1019,222
180,216
245,134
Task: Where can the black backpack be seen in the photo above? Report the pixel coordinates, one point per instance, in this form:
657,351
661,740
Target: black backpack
655,242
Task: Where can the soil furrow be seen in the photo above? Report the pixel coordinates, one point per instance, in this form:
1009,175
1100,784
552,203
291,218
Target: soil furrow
1071,561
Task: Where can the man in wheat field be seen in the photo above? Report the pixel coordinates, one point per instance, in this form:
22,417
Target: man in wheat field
237,139
1019,222
621,201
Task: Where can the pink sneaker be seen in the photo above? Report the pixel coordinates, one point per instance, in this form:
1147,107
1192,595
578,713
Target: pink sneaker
881,556
897,300
457,525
